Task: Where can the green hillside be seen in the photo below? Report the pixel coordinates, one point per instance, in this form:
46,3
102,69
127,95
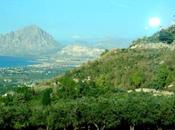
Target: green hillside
130,69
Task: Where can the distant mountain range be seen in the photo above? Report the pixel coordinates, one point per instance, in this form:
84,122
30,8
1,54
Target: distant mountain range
80,50
111,43
103,43
29,41
32,41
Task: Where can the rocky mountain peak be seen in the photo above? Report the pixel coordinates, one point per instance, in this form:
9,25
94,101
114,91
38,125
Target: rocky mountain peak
28,41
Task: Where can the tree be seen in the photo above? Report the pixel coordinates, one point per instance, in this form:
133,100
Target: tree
68,88
99,112
38,117
166,36
62,115
163,76
46,99
20,116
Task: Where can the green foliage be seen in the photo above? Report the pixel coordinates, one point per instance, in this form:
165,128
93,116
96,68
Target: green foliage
129,69
102,80
105,111
165,36
46,99
38,117
24,93
62,115
163,77
68,88
136,78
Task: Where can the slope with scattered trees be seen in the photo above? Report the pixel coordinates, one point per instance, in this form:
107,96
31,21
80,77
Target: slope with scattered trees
130,69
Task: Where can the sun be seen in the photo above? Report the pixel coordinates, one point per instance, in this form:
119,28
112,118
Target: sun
154,22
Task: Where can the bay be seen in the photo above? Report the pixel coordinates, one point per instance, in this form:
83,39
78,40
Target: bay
8,61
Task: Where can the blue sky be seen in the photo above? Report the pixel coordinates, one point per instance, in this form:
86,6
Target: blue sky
66,19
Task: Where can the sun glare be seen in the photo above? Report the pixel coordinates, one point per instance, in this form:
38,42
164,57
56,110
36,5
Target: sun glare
154,22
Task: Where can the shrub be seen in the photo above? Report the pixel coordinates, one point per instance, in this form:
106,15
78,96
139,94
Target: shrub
162,77
136,78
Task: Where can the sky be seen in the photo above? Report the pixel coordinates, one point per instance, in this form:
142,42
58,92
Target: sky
87,19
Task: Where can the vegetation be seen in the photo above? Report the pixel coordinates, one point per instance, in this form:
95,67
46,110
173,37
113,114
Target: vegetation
109,109
166,36
101,94
97,95
46,99
14,77
130,69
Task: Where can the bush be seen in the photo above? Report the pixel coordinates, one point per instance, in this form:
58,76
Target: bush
46,99
137,78
162,77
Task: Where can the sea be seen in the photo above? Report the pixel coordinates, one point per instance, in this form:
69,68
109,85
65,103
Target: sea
8,61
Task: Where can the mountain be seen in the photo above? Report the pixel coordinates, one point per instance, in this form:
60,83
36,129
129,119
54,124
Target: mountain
29,41
102,43
80,51
110,43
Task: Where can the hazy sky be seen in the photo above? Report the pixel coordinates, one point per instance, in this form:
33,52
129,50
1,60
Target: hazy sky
66,19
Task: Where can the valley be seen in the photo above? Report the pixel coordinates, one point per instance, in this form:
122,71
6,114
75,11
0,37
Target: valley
42,69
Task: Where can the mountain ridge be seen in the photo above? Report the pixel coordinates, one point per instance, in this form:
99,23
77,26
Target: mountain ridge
28,41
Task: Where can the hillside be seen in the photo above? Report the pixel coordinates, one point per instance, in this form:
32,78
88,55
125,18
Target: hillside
164,36
130,69
28,41
142,65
